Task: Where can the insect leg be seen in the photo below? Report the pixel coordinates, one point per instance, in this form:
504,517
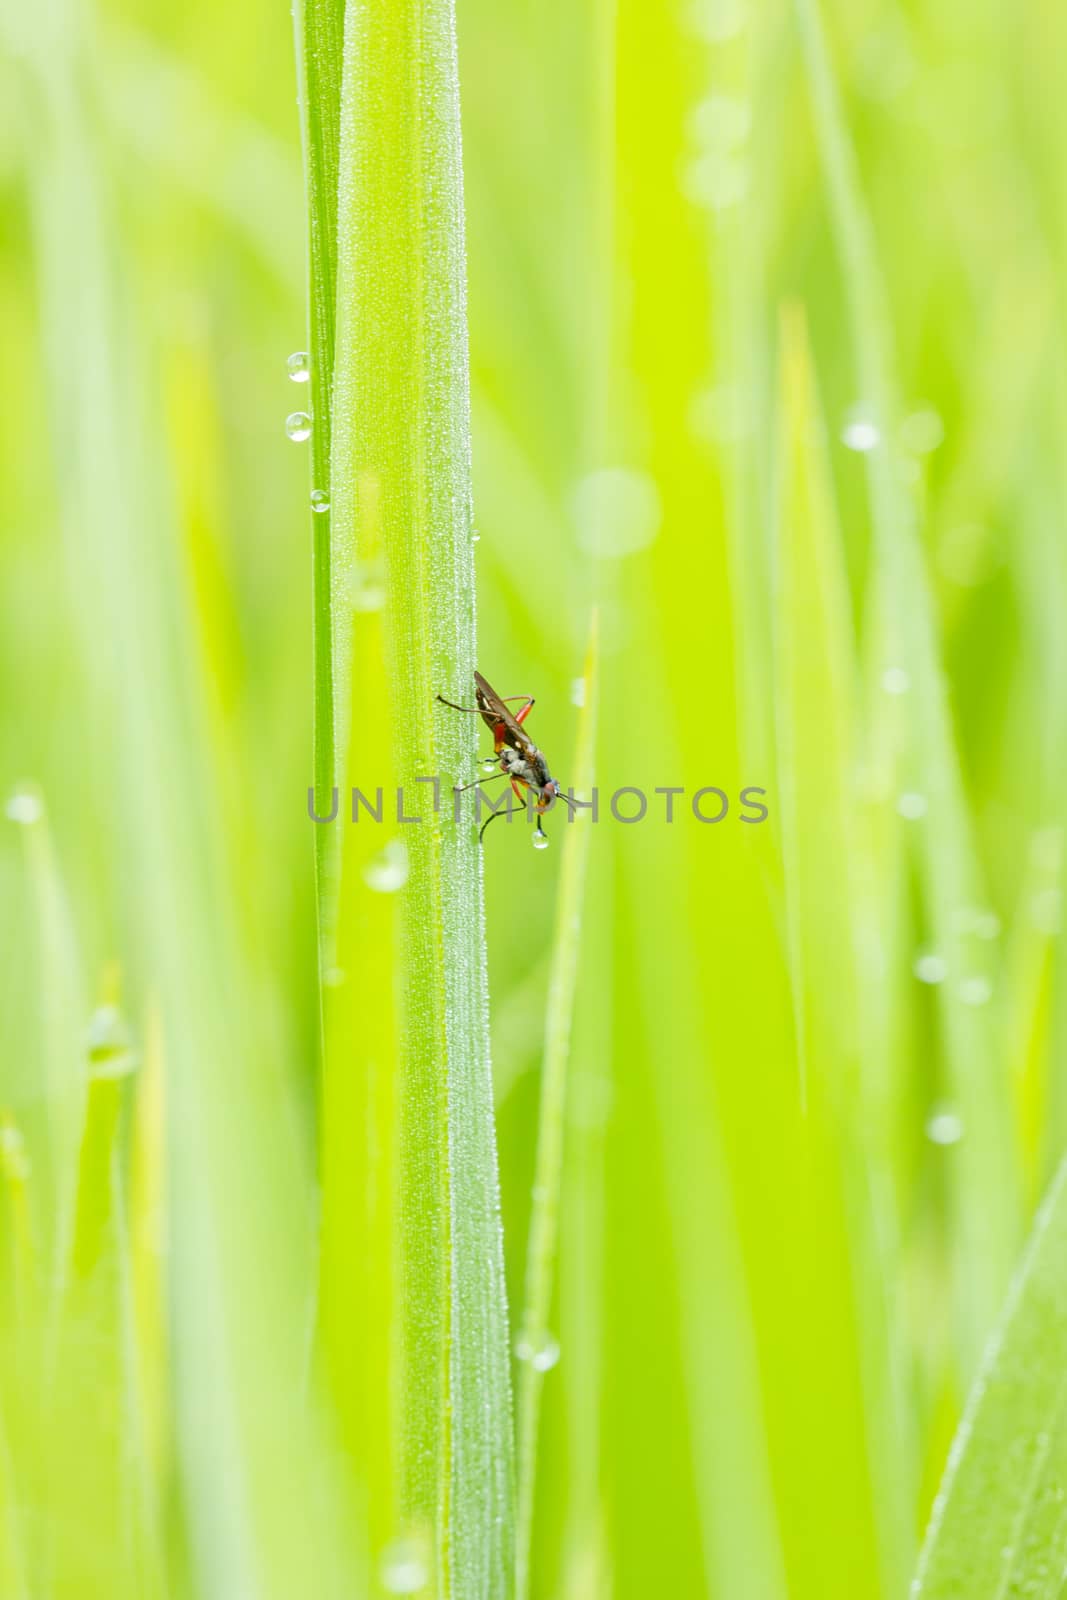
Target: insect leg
461,788
475,711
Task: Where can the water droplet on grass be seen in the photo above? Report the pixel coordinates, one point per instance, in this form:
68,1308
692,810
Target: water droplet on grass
109,1044
944,1126
860,432
975,991
388,870
540,1350
540,841
23,807
930,968
298,426
299,366
320,501
578,692
403,1569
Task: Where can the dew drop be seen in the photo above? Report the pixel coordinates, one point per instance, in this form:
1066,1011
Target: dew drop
298,426
717,179
489,764
540,841
388,870
944,1126
320,501
299,366
911,806
895,680
403,1568
578,692
720,120
109,1044
540,1350
24,807
860,432
476,538
975,991
716,23
930,968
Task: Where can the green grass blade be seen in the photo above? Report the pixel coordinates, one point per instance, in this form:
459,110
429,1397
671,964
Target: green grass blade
402,540
534,1338
836,1003
999,1526
986,1193
320,60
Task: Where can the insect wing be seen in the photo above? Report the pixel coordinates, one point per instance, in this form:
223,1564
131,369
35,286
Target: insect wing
495,713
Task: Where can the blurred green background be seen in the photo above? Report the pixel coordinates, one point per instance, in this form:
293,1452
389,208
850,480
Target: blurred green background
795,427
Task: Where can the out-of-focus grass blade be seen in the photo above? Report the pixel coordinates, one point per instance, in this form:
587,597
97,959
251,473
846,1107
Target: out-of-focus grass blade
53,1122
999,1525
97,1504
536,1347
837,1019
402,543
986,1200
320,26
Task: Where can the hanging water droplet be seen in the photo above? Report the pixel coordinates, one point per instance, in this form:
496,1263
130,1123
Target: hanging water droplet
476,538
299,366
895,680
930,968
975,991
539,1349
911,806
320,501
298,426
860,431
944,1126
24,807
540,841
388,871
109,1044
489,764
403,1568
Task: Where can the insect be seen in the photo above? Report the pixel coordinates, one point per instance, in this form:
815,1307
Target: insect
517,757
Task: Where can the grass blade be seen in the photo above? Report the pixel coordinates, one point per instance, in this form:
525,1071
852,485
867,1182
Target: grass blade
402,541
986,1189
999,1525
534,1338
